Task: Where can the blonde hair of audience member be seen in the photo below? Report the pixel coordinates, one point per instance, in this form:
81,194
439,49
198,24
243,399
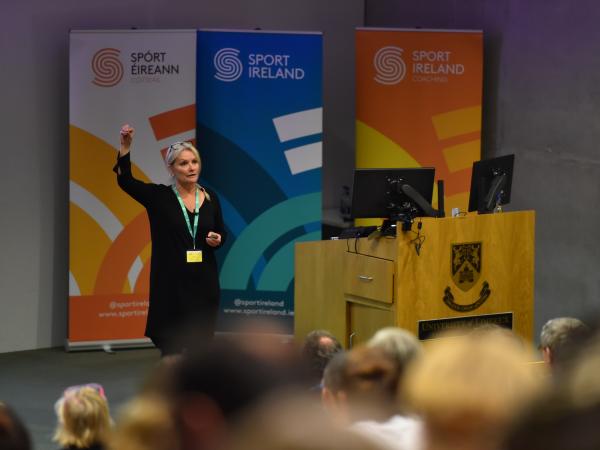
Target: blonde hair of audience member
145,423
83,418
468,389
360,385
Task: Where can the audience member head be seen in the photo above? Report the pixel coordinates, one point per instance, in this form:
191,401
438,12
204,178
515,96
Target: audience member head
146,423
213,386
566,417
398,343
292,422
360,385
83,417
560,338
13,434
267,340
468,388
320,346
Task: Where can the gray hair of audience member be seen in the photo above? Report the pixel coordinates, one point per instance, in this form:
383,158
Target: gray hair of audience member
560,336
320,346
398,343
568,416
13,434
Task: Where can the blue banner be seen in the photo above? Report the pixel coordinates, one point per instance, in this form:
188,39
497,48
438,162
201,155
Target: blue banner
259,131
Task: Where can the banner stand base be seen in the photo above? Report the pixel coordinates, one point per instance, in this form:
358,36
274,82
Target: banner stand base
75,346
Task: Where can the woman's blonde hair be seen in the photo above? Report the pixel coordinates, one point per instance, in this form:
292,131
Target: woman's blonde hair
173,153
83,418
175,150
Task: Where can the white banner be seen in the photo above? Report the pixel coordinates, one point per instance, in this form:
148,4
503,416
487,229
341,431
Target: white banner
147,79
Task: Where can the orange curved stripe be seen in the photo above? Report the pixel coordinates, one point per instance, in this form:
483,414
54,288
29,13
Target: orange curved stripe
119,258
173,122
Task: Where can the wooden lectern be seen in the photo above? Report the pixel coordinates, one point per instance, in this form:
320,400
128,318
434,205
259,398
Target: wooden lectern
444,273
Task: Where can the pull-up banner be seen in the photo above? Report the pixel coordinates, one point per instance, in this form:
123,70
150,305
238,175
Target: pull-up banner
147,79
257,100
418,103
259,111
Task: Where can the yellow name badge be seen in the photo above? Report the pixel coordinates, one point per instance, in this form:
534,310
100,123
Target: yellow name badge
194,256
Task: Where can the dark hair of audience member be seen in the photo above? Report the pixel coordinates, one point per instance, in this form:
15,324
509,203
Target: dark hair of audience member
231,376
214,385
320,346
13,434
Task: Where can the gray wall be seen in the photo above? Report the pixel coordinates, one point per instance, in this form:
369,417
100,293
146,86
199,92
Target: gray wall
34,128
541,102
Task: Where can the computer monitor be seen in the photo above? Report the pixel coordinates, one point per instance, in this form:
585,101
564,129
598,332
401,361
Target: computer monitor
395,194
491,182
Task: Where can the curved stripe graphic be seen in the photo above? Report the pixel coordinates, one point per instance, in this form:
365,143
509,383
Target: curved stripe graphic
383,151
279,272
142,284
252,242
105,219
96,209
234,183
88,154
120,256
234,220
74,290
88,244
134,272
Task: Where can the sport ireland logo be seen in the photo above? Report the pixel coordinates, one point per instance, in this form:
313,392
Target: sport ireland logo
389,65
228,64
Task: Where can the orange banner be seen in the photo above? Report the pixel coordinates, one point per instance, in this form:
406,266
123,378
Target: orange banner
418,103
107,317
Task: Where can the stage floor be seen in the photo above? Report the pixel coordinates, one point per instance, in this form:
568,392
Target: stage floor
32,381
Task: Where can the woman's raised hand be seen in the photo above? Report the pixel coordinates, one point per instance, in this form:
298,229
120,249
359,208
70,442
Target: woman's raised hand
127,133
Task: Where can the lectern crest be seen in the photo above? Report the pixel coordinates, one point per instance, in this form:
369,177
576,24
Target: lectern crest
466,264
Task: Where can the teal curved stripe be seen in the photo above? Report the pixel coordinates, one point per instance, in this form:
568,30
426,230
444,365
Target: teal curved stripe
280,269
261,232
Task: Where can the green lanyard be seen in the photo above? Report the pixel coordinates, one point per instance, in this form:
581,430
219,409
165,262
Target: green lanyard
185,214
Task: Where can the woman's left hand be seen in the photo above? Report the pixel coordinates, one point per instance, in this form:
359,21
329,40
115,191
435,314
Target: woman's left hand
213,239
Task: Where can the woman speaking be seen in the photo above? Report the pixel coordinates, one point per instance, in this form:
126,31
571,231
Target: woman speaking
186,226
